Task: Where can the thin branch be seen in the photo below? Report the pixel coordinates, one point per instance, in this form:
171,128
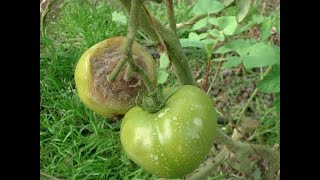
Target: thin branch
209,168
172,19
251,98
132,31
176,54
193,20
215,77
264,152
154,27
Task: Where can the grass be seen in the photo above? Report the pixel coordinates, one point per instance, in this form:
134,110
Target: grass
75,143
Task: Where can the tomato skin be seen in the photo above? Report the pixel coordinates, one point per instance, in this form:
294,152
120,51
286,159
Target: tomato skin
174,141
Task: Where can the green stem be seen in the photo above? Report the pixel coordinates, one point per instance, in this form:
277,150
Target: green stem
215,77
172,19
112,77
128,73
132,31
208,169
176,54
251,98
247,105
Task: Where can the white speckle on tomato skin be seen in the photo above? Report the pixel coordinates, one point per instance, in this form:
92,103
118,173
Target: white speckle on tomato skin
161,115
197,122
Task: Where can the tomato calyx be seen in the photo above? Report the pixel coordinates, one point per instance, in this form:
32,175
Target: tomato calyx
154,101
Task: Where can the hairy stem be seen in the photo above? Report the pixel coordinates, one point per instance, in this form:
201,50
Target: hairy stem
132,31
128,73
172,19
208,169
193,20
176,54
215,77
264,152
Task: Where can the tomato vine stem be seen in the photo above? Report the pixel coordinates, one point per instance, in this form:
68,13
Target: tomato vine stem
127,57
172,19
171,40
132,31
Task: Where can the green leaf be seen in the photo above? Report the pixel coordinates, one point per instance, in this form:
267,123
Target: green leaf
207,7
217,33
191,43
200,24
257,174
271,82
164,61
261,55
213,21
208,41
228,24
244,6
240,46
265,30
232,61
227,2
162,76
256,19
194,36
119,17
203,35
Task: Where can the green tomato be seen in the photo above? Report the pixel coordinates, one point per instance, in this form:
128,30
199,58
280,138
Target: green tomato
174,141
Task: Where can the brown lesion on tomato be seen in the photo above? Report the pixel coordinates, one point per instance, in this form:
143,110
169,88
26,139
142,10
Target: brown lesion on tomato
120,90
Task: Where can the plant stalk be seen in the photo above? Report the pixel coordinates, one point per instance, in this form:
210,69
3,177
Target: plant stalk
132,31
176,54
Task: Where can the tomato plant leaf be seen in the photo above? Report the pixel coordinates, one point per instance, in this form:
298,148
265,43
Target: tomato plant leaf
193,36
227,2
208,42
190,43
261,55
240,46
213,21
228,24
203,35
162,76
271,83
200,24
232,61
164,61
265,30
255,20
244,6
257,174
216,33
207,7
